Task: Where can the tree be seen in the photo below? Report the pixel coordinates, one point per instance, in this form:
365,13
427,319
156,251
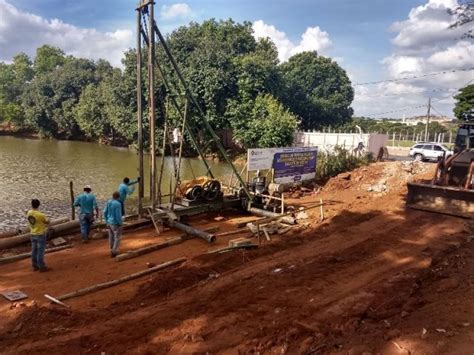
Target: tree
464,107
317,89
48,58
268,124
206,54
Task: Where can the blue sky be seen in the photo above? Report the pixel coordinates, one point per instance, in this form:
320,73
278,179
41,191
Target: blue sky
371,39
358,29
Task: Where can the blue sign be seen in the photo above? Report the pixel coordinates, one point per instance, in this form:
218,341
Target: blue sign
295,164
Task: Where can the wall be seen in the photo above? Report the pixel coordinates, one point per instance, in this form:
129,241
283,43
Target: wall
327,141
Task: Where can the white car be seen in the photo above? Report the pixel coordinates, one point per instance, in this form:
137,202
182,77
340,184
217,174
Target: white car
429,151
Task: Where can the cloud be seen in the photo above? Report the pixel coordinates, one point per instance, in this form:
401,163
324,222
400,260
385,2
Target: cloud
175,11
24,32
313,39
423,44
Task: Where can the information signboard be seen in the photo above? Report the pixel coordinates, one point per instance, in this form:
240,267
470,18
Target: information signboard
295,164
289,164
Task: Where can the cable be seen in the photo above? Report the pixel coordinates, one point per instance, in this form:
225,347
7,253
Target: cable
393,111
415,107
414,77
410,93
434,108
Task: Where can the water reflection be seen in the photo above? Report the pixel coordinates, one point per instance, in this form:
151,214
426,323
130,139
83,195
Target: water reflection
42,169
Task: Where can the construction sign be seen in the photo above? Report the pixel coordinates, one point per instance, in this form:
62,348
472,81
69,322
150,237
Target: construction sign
289,164
295,164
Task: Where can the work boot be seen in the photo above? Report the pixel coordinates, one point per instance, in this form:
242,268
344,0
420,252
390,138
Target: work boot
35,268
44,269
112,254
85,241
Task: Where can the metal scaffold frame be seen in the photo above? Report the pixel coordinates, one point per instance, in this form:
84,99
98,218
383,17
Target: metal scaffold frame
146,40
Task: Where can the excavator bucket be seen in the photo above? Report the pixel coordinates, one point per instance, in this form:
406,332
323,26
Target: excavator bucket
441,199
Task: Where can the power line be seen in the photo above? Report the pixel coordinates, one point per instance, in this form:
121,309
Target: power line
399,110
410,93
420,106
414,77
434,108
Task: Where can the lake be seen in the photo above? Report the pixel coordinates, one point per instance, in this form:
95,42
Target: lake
34,168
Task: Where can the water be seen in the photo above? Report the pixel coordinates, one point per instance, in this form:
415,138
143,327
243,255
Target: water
42,169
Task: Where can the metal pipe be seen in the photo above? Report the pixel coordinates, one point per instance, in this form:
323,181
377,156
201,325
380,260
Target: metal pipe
140,113
151,104
180,153
210,238
162,164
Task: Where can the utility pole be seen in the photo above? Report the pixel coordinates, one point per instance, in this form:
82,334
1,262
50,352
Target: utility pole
139,112
151,103
427,119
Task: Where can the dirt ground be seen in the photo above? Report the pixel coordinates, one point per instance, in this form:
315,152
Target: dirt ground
373,278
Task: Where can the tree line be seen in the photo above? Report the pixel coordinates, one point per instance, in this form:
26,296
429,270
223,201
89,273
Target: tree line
237,80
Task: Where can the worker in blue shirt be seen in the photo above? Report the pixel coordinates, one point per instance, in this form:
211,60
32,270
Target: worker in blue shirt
126,188
113,218
87,202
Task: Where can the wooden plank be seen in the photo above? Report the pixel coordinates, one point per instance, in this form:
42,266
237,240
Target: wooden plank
154,247
104,285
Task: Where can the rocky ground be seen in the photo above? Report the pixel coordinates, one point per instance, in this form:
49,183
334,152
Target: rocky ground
373,278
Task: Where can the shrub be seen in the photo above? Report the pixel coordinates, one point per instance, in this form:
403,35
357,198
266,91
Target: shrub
331,164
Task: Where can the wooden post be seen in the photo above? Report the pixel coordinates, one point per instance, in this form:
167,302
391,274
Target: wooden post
151,103
321,211
140,113
71,192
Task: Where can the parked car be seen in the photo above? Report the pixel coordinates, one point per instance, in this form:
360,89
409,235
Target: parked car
429,151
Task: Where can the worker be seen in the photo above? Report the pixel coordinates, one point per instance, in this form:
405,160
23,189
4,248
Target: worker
113,218
126,188
38,230
88,203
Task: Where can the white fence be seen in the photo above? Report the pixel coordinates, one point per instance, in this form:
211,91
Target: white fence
370,142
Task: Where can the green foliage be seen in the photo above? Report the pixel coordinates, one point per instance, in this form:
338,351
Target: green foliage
48,58
268,124
464,108
236,79
318,90
331,164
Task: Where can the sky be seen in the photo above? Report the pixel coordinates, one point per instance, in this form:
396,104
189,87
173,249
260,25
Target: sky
373,40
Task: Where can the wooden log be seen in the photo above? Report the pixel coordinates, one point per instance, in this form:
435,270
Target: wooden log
107,284
57,230
24,230
148,249
263,213
10,259
153,247
238,231
226,249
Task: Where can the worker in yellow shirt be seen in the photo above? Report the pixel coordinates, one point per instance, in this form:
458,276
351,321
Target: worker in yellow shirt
38,230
